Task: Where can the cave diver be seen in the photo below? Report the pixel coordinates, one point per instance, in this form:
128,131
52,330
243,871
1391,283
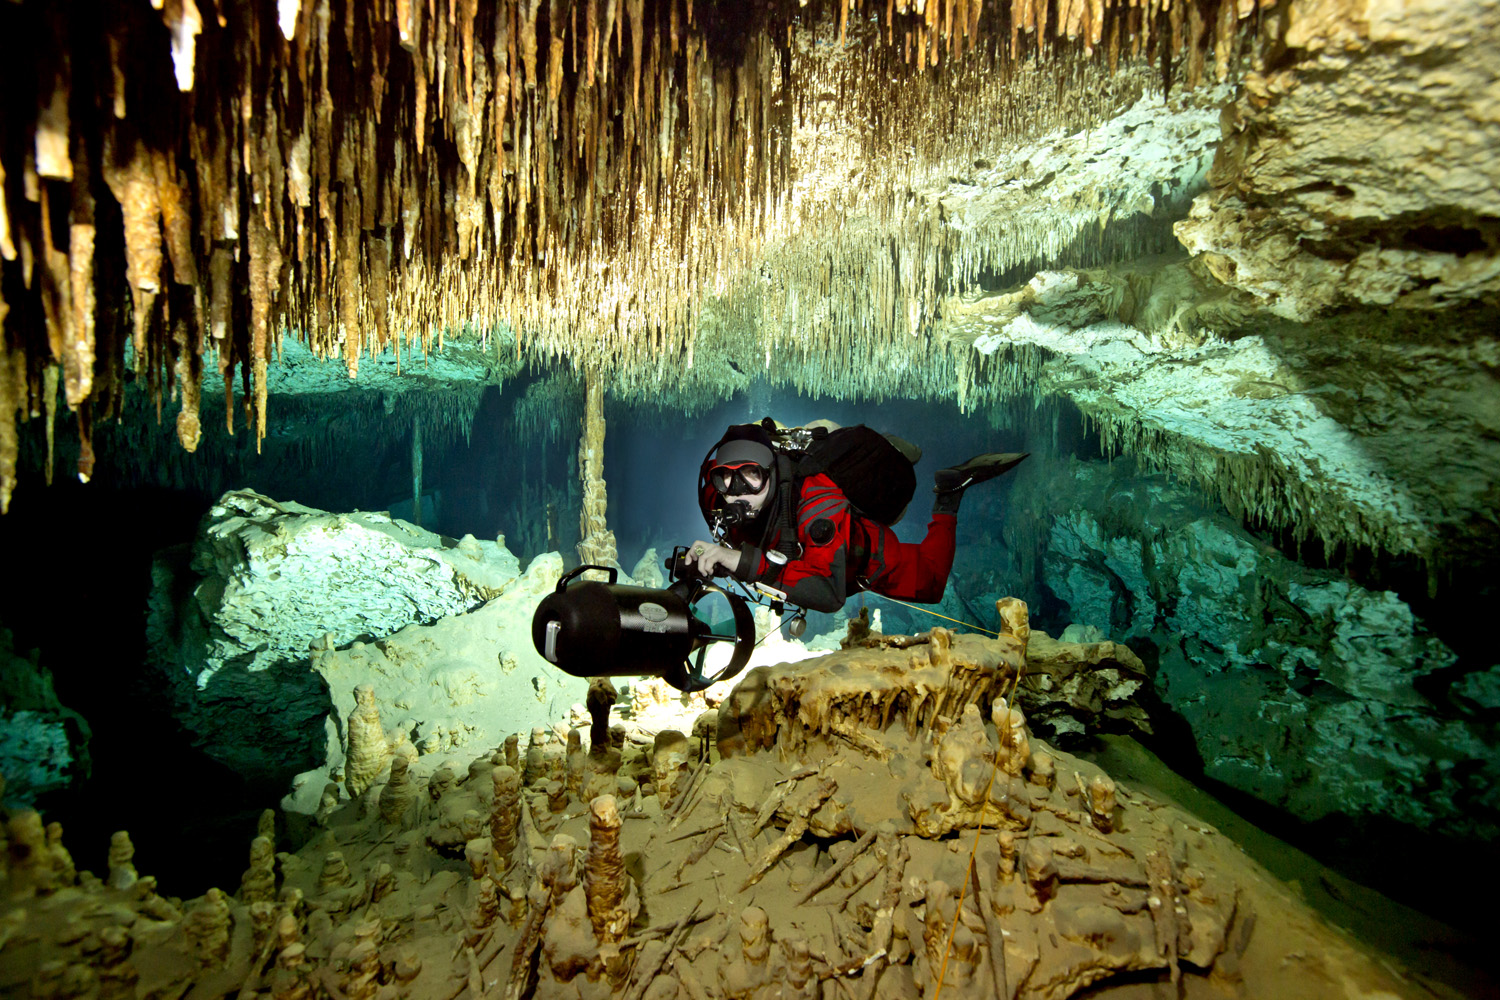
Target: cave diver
799,516
803,515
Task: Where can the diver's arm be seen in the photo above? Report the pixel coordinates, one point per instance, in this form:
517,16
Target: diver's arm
748,568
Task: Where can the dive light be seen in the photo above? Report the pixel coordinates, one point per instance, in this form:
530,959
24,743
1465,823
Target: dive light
608,629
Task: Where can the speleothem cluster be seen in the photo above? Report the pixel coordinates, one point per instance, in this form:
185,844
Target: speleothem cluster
961,855
183,186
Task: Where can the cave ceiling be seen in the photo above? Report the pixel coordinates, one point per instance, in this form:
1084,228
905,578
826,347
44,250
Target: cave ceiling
1173,212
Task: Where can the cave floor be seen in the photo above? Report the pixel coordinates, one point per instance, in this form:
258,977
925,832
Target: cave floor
1445,959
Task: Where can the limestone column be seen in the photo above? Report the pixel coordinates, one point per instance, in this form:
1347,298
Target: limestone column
598,542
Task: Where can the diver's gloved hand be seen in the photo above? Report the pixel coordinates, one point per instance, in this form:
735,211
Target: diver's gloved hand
713,559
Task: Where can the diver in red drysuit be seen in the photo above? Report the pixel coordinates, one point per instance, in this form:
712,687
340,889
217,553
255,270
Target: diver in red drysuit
842,553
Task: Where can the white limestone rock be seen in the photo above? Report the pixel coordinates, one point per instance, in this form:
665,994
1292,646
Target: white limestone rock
277,576
1396,203
43,743
233,619
449,680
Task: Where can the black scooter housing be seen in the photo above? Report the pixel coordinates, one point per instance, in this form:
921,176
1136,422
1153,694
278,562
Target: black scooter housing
593,629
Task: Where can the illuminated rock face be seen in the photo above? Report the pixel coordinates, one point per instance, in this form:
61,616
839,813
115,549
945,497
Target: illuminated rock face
43,744
1300,686
1361,167
271,588
273,578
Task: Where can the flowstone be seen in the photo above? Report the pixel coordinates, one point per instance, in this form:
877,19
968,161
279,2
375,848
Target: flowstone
944,848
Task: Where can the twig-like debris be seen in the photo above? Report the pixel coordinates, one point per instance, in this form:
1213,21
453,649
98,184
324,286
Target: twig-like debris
831,875
651,933
698,853
684,805
1163,905
768,809
843,899
799,774
695,833
252,981
1083,796
726,806
794,830
647,972
476,977
992,929
689,980
494,948
383,840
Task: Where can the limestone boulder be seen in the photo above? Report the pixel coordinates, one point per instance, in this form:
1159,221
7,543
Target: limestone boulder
43,743
1093,686
270,618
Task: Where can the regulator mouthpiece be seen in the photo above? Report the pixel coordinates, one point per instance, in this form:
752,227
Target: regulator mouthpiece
592,629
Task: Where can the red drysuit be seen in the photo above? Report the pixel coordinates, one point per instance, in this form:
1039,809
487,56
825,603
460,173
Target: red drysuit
843,553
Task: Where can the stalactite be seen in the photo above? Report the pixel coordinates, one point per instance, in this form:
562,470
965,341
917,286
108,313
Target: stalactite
332,157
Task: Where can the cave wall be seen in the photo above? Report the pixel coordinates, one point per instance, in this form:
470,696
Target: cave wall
1300,687
1358,162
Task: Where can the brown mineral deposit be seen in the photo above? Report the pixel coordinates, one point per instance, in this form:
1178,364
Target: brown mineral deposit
122,874
505,816
367,752
399,793
258,883
607,886
670,757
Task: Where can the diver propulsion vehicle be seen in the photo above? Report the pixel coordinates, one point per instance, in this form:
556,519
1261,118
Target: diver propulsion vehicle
590,628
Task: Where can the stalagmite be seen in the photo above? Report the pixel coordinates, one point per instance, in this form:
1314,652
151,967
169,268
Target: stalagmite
65,872
1014,619
505,815
751,970
669,759
607,886
367,751
31,862
1101,801
335,873
122,874
399,793
258,884
597,545
535,756
207,928
600,699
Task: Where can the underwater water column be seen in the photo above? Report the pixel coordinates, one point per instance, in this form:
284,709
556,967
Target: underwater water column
416,469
